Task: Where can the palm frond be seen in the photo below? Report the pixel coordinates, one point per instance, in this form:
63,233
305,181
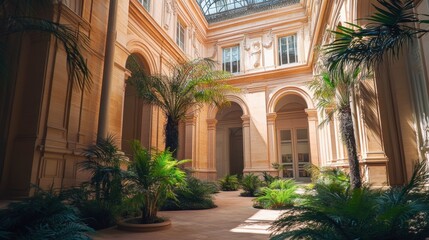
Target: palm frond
385,34
21,16
72,41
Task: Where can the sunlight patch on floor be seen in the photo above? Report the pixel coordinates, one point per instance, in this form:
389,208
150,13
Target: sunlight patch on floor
259,222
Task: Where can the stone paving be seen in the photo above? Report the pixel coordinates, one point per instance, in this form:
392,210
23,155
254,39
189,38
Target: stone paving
233,219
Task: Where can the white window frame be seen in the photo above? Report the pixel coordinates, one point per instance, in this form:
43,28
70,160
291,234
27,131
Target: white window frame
180,35
286,49
227,53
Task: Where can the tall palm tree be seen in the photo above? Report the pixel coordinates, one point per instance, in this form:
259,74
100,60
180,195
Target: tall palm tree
333,91
388,29
188,86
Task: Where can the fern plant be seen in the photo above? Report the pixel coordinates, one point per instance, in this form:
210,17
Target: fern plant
43,216
103,161
268,178
229,183
250,184
280,194
195,194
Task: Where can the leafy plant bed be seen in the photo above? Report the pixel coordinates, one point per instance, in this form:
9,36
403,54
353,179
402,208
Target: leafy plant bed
195,195
135,225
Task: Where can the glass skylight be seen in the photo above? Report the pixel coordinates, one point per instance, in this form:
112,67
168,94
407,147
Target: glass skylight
217,10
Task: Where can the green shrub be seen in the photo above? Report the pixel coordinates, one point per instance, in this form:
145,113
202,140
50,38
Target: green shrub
250,184
103,162
97,214
229,183
334,177
43,216
153,176
196,194
268,178
280,194
331,212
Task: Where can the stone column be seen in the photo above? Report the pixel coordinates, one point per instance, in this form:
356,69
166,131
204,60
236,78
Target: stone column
272,141
103,117
312,135
190,123
246,142
211,153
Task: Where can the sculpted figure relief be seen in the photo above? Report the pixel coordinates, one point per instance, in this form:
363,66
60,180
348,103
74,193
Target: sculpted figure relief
168,11
255,55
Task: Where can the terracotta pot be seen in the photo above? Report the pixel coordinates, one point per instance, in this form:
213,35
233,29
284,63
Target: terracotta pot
132,225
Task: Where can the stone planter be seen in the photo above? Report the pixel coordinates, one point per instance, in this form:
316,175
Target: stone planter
132,225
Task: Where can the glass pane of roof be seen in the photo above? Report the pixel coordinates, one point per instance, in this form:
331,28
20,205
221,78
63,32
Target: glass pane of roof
218,10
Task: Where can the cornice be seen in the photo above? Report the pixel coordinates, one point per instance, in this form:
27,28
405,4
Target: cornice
143,20
202,25
265,18
318,33
269,75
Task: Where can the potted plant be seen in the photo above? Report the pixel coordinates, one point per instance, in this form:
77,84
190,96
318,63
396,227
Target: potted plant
152,176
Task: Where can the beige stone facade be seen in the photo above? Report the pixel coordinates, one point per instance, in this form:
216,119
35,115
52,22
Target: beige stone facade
272,121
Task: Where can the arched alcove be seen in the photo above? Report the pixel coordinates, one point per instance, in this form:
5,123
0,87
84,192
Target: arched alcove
136,119
293,137
229,141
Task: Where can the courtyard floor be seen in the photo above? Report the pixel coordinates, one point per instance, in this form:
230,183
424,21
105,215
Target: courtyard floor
233,219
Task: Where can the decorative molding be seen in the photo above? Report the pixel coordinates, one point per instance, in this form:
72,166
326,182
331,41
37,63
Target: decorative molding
271,118
270,37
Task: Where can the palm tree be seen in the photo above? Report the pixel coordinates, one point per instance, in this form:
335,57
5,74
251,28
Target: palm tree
389,28
103,161
333,91
334,212
187,87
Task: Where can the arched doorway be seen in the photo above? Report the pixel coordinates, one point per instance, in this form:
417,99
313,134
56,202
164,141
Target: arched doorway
292,137
136,119
229,141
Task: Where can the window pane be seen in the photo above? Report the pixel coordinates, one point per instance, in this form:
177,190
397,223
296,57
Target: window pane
292,49
302,134
228,67
287,50
180,36
146,4
231,59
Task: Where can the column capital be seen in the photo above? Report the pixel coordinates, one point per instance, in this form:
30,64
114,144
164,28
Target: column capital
271,117
311,114
246,120
190,119
211,123
127,74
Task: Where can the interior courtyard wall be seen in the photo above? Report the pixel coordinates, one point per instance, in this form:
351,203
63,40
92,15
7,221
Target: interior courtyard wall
68,119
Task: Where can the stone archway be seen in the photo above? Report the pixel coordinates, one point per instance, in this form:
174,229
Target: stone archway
292,132
229,145
292,137
136,118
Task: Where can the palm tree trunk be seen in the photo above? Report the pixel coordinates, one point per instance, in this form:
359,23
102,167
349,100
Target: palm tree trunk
347,131
172,135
